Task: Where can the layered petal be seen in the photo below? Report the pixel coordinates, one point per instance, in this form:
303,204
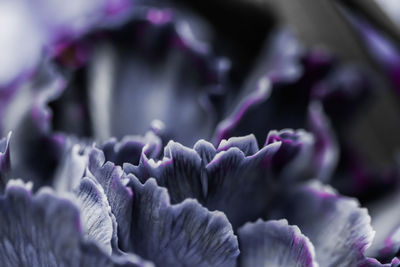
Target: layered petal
270,106
45,230
237,177
164,61
96,213
34,156
338,228
5,164
129,149
120,197
184,234
72,166
274,243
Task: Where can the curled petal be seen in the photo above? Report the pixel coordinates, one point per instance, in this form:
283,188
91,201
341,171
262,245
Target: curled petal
96,213
129,149
72,167
35,155
51,223
274,243
338,228
292,161
119,196
326,152
371,262
242,187
167,66
184,234
5,165
213,175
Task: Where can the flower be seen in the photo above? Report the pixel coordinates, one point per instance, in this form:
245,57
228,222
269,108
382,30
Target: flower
139,140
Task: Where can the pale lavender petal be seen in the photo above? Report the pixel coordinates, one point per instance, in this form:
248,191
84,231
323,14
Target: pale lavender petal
338,228
392,244
113,181
274,243
294,160
179,171
96,214
247,144
5,165
72,167
371,262
205,150
381,47
385,221
184,234
213,176
129,149
45,230
242,187
326,151
35,155
160,58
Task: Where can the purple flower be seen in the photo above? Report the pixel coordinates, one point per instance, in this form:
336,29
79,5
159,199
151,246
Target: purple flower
139,140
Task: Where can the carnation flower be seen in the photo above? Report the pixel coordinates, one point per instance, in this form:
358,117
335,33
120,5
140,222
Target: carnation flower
139,133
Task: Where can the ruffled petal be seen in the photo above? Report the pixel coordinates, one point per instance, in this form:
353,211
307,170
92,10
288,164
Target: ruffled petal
96,214
120,197
45,230
214,175
5,165
242,187
184,234
274,243
72,166
293,161
129,149
371,262
338,228
385,221
34,156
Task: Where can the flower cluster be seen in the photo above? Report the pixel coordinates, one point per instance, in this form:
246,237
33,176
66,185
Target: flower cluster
136,134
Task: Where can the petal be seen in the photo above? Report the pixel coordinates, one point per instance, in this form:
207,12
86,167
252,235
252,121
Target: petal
247,144
205,150
242,187
274,243
370,262
72,167
179,171
34,155
5,165
338,228
129,149
215,181
344,90
184,234
326,151
160,63
119,196
385,221
96,214
44,230
293,161
379,44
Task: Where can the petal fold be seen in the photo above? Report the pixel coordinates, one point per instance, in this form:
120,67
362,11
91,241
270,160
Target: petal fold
274,243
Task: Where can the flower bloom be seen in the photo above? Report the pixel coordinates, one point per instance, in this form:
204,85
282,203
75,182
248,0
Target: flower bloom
133,137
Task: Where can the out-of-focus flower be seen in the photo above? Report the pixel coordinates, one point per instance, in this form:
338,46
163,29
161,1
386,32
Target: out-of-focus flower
178,186
44,27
